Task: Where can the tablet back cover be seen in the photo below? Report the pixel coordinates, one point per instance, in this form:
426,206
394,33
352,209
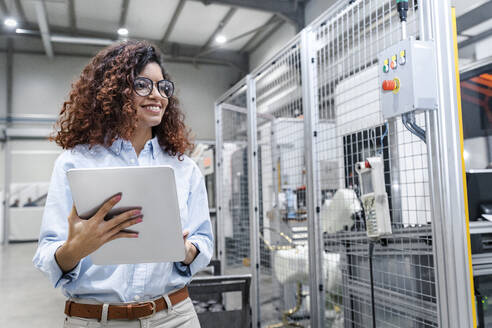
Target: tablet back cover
153,189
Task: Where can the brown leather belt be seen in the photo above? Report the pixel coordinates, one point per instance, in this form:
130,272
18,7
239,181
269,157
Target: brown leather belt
130,311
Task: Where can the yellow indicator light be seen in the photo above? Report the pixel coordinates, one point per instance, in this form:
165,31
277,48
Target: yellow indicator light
402,53
393,58
386,61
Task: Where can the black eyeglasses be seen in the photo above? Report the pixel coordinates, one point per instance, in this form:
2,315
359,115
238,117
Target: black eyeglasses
143,87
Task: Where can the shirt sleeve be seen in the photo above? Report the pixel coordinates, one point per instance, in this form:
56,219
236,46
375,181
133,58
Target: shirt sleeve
200,227
54,226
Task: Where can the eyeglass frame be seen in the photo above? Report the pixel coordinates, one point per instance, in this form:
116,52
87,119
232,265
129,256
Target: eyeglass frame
152,89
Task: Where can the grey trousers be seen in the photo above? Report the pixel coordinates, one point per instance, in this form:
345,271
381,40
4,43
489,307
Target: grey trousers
180,315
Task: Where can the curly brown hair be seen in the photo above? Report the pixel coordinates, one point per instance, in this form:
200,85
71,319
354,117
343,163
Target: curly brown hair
100,108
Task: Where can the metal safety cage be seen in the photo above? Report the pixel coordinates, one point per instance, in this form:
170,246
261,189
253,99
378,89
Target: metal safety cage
283,231
234,232
350,129
314,128
232,182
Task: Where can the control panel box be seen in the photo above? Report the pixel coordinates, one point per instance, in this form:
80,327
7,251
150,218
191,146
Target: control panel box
407,78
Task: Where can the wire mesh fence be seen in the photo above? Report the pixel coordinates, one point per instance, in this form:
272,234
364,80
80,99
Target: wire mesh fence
391,280
234,205
284,271
347,45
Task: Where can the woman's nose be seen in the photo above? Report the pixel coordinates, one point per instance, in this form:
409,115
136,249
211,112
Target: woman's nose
155,92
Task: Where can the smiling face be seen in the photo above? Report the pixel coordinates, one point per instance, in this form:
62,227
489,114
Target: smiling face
150,109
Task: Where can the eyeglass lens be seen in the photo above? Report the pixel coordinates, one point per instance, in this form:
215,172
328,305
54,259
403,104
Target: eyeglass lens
143,87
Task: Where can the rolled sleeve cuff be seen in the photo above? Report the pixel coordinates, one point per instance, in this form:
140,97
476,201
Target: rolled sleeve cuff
53,269
202,260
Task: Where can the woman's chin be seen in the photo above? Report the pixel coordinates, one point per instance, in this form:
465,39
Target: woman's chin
149,121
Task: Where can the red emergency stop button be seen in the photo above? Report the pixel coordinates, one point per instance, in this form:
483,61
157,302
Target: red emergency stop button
389,85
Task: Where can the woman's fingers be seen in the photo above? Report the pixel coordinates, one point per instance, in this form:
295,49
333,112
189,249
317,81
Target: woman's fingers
128,223
185,234
123,234
106,207
125,216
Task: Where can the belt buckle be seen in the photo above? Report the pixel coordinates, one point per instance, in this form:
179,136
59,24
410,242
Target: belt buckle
154,308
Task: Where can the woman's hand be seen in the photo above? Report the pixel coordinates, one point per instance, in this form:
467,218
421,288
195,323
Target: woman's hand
190,249
86,236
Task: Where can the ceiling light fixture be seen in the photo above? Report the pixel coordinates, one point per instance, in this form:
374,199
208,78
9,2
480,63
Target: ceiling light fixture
122,31
10,22
220,39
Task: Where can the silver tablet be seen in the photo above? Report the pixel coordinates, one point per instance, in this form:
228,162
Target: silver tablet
153,188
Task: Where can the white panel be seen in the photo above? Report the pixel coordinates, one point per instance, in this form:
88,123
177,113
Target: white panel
41,85
30,167
97,15
33,165
25,223
150,18
475,153
205,20
242,21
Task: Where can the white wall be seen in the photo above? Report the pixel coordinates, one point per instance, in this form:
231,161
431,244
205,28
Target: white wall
41,85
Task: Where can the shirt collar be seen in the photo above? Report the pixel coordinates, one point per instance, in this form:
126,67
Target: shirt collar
154,147
116,146
120,144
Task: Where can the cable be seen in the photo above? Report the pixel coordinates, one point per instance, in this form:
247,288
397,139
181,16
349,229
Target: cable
371,275
408,120
382,137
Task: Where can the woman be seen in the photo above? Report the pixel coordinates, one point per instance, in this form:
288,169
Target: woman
122,112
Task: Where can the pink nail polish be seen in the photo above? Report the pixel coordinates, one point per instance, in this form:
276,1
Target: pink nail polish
118,198
139,220
137,212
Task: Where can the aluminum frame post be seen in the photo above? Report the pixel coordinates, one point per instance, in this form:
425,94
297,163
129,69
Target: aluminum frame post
7,159
453,258
310,105
6,188
219,178
253,199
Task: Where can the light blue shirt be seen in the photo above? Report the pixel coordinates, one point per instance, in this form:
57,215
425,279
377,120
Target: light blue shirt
125,282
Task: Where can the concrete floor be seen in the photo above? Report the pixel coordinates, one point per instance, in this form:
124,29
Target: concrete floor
27,297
